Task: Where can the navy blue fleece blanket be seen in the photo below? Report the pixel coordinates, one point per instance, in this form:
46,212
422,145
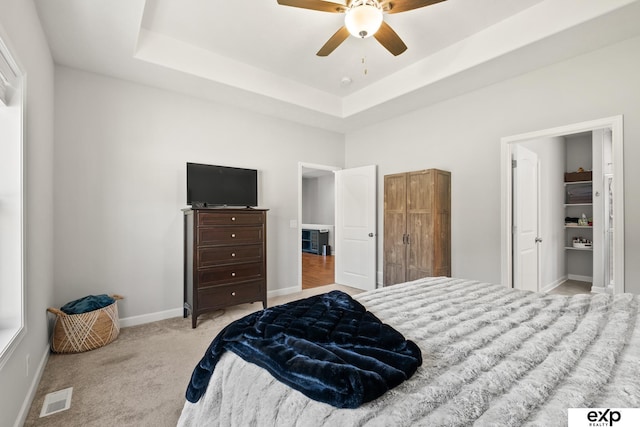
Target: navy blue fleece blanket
328,347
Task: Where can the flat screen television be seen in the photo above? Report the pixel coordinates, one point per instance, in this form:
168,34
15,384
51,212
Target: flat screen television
211,185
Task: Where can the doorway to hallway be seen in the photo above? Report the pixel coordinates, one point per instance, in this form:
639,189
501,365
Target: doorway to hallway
317,225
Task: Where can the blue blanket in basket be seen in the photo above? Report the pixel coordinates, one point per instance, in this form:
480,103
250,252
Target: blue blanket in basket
328,347
87,304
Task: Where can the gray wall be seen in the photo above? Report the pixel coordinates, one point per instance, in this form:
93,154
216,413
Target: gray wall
463,134
120,157
318,201
120,150
19,23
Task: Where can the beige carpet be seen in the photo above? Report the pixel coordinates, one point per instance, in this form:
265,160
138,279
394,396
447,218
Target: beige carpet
140,378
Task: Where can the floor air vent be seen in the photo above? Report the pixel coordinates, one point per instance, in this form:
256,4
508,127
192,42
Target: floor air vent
56,401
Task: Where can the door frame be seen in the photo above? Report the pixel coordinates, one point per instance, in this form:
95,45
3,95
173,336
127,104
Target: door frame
301,166
615,123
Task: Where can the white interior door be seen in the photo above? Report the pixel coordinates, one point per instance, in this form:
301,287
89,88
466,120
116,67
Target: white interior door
526,240
355,263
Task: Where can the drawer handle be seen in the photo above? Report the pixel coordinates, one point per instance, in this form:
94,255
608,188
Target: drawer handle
233,235
233,274
233,294
233,254
233,218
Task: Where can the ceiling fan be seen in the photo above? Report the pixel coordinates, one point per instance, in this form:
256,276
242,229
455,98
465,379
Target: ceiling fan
363,18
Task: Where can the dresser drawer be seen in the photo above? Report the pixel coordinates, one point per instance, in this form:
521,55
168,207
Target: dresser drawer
209,256
222,296
230,218
229,273
230,235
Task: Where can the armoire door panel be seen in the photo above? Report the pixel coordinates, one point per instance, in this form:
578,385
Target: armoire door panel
394,273
420,240
443,192
420,191
394,242
415,274
395,249
395,193
442,254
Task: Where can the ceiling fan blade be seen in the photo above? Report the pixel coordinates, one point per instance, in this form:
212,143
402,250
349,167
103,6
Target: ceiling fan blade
321,5
389,39
335,41
397,6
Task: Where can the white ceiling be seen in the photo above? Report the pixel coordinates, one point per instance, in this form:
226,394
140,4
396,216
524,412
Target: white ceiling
260,55
283,40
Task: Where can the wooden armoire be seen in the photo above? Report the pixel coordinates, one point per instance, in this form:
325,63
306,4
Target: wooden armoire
417,225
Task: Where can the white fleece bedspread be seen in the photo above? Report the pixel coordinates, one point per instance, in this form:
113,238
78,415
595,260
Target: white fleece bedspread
492,356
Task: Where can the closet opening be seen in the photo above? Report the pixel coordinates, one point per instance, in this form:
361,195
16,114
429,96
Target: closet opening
562,208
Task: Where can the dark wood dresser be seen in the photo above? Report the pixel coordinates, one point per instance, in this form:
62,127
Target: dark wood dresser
225,259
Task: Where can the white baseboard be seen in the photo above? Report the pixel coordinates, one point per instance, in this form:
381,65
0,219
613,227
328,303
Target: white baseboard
178,312
551,286
151,317
598,290
33,388
580,278
283,291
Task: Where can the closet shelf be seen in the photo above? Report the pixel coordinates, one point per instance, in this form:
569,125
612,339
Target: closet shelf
578,182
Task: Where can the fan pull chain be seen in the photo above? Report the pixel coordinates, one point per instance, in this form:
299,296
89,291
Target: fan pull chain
364,66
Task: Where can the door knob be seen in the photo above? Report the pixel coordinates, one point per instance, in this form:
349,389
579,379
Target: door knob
371,234
538,240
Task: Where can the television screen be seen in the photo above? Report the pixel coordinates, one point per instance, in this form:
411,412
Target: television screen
211,185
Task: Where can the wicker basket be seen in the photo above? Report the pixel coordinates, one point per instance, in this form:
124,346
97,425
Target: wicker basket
75,333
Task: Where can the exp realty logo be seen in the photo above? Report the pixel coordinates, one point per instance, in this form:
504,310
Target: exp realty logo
604,417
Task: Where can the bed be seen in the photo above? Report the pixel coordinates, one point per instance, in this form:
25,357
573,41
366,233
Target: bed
490,356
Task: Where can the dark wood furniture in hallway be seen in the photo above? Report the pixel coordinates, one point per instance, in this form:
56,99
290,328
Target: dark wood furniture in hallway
317,270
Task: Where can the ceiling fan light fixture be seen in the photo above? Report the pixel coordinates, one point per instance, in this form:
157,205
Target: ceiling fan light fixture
363,18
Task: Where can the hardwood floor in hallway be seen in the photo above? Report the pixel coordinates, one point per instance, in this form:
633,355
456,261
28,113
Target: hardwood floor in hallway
317,270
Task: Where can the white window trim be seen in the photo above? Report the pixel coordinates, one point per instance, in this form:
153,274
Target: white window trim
14,86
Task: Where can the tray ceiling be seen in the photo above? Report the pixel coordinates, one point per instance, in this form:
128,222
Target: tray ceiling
260,55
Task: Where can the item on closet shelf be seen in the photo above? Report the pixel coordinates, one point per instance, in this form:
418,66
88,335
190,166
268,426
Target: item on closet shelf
571,221
579,194
580,175
579,242
583,221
